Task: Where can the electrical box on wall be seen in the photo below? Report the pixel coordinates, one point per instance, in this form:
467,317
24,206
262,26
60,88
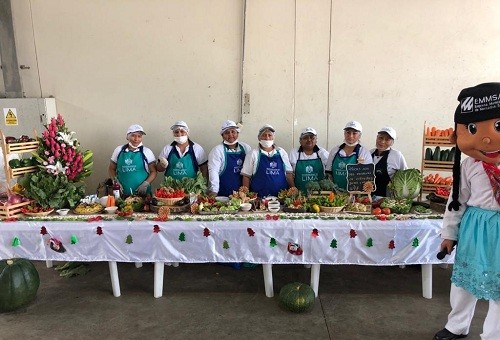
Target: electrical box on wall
19,116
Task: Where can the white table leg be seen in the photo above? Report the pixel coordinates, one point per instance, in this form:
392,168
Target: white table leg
115,281
49,263
138,264
315,278
427,281
158,279
268,279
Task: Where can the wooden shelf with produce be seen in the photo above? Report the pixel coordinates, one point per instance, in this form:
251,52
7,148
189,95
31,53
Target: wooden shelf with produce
11,146
438,154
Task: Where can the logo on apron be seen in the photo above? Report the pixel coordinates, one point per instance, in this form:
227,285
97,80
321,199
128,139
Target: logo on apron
272,169
179,169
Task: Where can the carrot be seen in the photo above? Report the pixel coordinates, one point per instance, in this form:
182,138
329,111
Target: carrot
450,130
331,197
437,178
433,131
112,201
428,131
448,180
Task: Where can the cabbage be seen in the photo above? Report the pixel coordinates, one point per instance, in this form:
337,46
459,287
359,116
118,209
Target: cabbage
406,183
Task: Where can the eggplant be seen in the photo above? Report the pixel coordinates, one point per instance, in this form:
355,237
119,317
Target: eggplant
10,139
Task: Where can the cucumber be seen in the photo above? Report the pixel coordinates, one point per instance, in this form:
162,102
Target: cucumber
444,155
451,155
436,156
428,154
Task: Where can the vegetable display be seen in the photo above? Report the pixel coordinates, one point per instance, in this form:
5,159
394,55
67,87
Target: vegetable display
406,184
196,185
19,282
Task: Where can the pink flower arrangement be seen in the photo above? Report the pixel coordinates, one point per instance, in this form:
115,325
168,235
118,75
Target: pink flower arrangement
59,152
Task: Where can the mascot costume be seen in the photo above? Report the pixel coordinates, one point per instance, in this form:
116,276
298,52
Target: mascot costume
472,220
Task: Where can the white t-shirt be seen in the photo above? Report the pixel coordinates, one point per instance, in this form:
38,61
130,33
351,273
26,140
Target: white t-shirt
475,191
150,157
199,153
251,160
395,161
363,153
294,156
217,162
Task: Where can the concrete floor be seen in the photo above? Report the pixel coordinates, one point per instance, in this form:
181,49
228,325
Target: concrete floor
210,301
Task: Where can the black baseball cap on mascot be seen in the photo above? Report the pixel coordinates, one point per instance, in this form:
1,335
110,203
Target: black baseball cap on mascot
477,104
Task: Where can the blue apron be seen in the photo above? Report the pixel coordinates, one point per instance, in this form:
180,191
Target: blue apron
230,177
270,176
131,170
307,170
339,166
180,167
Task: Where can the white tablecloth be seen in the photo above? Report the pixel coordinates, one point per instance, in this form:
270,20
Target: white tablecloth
321,241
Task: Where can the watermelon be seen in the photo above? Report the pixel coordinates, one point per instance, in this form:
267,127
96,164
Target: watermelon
19,282
297,297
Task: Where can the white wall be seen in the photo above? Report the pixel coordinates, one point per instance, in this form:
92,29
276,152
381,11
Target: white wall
383,62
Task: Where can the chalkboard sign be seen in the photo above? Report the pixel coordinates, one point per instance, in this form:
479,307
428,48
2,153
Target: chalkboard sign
358,175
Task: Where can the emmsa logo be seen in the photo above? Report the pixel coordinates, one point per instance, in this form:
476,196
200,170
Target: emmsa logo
469,104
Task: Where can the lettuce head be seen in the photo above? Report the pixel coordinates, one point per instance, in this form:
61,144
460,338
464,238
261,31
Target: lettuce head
406,183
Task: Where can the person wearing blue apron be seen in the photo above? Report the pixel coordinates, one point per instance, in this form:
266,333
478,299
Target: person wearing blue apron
308,161
387,160
183,157
133,165
225,161
267,170
349,152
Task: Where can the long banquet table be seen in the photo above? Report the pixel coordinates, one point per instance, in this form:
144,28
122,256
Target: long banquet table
270,240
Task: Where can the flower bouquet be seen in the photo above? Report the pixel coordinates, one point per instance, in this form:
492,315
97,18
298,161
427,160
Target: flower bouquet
63,166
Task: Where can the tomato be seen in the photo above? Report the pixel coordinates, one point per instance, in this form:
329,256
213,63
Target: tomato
376,211
386,211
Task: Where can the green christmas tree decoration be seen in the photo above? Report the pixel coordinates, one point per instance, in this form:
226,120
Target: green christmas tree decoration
415,242
73,239
333,244
182,237
225,245
16,242
272,242
369,242
128,240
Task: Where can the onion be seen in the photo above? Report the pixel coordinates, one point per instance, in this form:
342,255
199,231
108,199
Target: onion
13,198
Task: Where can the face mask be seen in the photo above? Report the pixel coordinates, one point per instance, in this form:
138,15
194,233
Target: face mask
353,144
230,143
181,139
266,143
135,147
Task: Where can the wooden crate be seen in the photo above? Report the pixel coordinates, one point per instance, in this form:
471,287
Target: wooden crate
21,147
17,172
437,141
13,210
428,187
437,165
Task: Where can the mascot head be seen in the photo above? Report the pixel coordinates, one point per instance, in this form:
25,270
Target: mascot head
477,129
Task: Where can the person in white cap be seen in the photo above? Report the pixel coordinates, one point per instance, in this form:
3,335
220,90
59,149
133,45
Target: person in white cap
386,159
349,152
308,160
225,161
133,165
183,157
267,169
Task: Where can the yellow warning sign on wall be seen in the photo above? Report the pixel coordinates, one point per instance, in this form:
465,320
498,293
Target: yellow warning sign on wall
10,115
